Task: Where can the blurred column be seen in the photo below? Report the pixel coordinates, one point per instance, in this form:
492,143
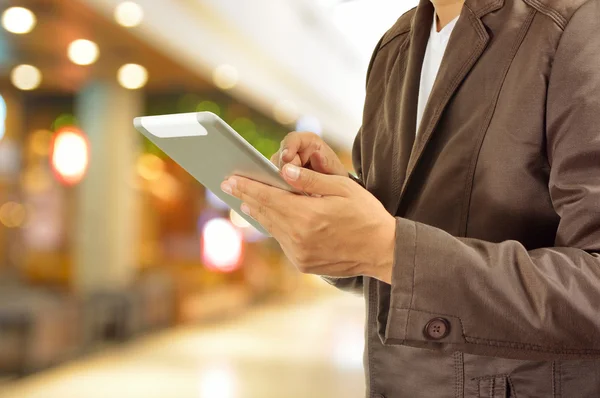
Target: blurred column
11,142
106,223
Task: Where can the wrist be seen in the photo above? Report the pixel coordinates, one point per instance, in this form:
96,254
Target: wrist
383,263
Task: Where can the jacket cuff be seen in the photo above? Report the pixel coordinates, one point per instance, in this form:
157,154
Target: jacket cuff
400,320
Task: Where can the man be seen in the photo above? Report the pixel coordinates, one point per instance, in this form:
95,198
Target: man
485,282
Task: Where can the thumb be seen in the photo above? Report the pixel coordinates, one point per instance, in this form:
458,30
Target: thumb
312,182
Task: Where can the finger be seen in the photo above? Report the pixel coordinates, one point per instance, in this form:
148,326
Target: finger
319,162
262,215
277,160
302,144
316,183
248,190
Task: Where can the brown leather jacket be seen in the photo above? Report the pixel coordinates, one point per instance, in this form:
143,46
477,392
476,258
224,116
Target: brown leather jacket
496,281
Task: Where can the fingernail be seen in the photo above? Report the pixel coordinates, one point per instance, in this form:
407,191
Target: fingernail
283,153
292,171
245,208
232,182
226,187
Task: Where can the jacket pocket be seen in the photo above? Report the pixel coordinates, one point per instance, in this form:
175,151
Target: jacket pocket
494,387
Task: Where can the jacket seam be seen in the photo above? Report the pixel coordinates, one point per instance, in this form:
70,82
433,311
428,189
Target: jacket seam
529,346
470,179
412,289
549,12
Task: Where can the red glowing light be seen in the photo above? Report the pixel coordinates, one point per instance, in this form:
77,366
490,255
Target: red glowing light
70,155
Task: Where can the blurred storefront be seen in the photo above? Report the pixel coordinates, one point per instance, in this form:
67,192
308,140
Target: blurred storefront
102,237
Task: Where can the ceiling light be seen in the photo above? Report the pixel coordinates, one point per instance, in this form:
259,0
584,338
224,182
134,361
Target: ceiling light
132,76
18,20
129,14
26,77
83,52
225,77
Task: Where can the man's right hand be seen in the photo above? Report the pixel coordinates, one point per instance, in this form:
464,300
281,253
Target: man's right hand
308,150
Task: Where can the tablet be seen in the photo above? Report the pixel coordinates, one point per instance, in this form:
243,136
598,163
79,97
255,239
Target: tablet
211,151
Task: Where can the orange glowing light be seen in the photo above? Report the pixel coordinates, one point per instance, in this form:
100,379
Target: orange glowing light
70,155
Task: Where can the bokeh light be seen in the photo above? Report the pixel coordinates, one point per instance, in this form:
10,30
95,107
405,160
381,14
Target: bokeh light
285,112
70,155
83,52
225,77
209,106
64,120
222,245
310,124
18,20
40,142
26,77
129,14
166,188
150,167
12,215
132,76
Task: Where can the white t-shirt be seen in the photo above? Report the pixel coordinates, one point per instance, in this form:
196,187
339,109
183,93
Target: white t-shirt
436,47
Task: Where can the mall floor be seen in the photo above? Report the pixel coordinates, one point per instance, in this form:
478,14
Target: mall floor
309,348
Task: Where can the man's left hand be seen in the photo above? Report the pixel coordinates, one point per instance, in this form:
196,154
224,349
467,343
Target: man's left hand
341,230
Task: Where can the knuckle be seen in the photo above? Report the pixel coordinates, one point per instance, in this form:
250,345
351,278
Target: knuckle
263,198
296,237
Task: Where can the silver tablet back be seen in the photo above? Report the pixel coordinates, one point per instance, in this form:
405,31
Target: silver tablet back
210,150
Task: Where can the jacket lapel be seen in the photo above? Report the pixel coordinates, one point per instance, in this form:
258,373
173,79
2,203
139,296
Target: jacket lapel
403,140
467,43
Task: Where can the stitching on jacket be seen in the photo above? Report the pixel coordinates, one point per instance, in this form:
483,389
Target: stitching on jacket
459,373
554,379
412,290
489,377
560,384
513,392
551,13
531,347
490,7
470,179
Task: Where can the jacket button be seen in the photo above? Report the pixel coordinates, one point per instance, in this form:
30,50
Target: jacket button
437,329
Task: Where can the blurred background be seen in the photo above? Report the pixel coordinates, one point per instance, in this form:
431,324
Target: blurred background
120,275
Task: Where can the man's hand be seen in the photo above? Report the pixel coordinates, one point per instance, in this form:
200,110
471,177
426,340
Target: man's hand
308,150
343,231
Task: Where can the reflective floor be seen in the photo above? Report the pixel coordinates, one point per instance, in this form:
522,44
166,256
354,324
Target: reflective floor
312,348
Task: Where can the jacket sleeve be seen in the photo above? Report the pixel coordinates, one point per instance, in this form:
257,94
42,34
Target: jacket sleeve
499,299
355,284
